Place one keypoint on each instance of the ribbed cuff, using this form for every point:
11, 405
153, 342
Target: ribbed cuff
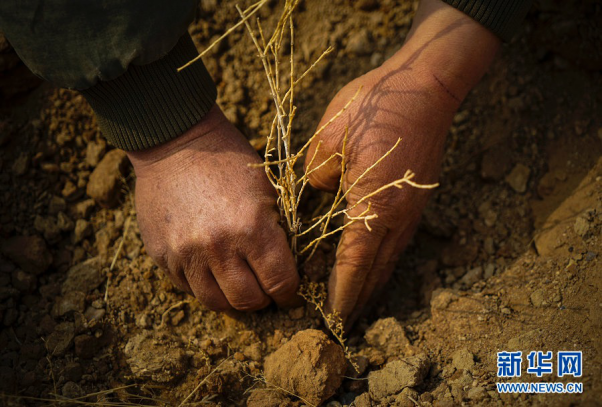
151, 104
502, 17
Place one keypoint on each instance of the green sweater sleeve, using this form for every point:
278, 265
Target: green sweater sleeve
153, 103
502, 17
122, 55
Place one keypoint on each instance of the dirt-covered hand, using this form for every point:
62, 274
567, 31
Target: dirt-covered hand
210, 221
412, 96
392, 104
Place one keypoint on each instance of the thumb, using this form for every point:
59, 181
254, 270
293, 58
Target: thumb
323, 160
323, 166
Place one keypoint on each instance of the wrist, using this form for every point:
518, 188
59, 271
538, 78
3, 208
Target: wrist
182, 147
448, 48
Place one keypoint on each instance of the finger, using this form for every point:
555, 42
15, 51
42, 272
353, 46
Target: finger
381, 269
275, 268
356, 253
203, 286
323, 165
238, 283
392, 246
402, 242
175, 272
172, 267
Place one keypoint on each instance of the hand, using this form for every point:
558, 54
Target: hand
413, 96
210, 221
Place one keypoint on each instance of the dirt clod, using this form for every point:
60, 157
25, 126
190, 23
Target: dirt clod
397, 375
538, 298
73, 301
28, 252
581, 226
144, 321
388, 335
310, 365
21, 164
88, 346
72, 390
518, 178
82, 230
496, 162
105, 180
472, 276
441, 299
296, 313
56, 205
359, 43
363, 400
73, 372
463, 359
477, 394
83, 209
94, 314
151, 358
83, 277
94, 152
61, 339
23, 281
253, 352
406, 398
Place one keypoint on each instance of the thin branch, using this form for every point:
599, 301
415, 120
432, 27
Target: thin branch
198, 386
255, 7
125, 232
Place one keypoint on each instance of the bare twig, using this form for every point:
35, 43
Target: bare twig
251, 10
262, 379
125, 232
198, 386
168, 310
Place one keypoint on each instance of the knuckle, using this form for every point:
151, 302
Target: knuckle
247, 225
358, 239
257, 228
181, 249
355, 262
215, 241
194, 270
359, 259
263, 230
322, 181
249, 304
282, 286
248, 229
379, 229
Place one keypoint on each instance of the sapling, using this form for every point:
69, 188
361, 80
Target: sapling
281, 162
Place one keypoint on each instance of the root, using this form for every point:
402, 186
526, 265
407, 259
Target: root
315, 293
